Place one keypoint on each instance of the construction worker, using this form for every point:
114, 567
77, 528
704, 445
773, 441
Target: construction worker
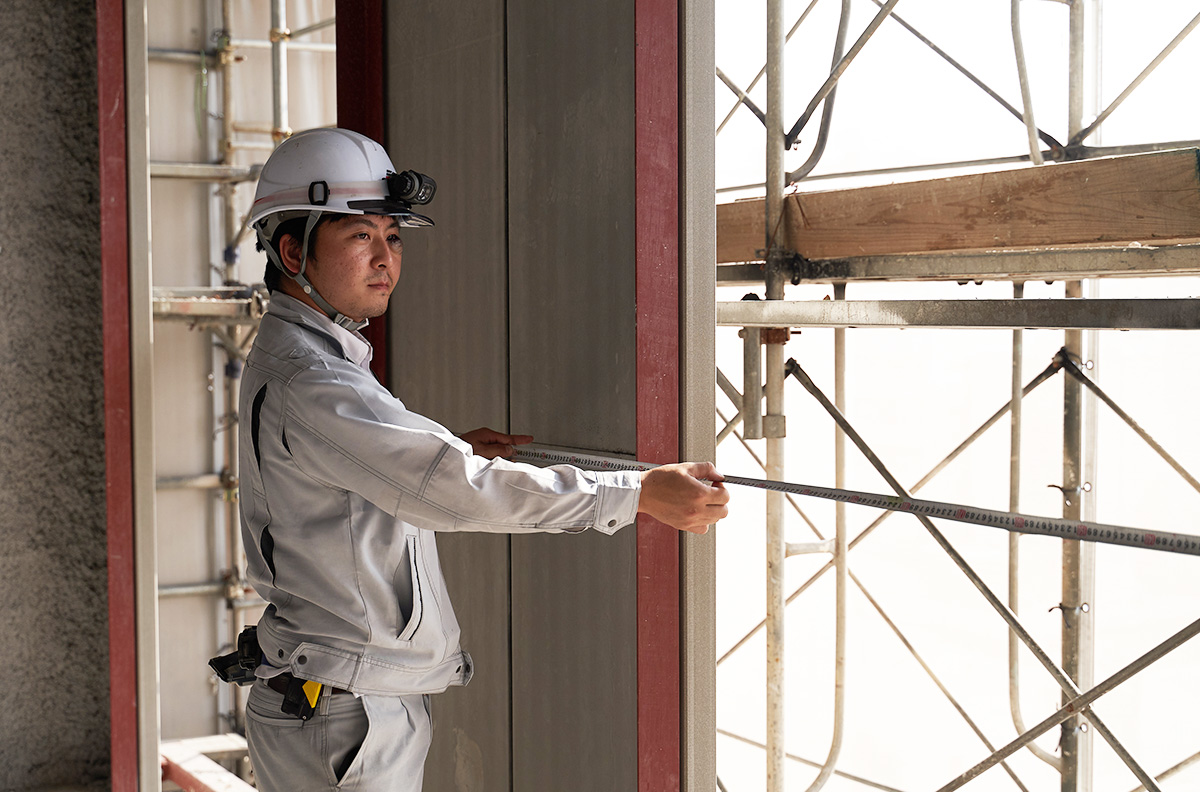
343, 488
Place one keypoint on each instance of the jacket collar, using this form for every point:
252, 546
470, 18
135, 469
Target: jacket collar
352, 346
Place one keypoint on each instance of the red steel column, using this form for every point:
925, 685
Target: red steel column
360, 107
656, 103
118, 432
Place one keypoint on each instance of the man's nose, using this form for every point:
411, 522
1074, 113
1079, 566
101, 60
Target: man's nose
382, 254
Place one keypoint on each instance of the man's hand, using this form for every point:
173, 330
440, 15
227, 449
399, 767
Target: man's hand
491, 444
682, 496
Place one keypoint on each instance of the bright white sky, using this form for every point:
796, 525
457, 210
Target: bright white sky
901, 104
915, 394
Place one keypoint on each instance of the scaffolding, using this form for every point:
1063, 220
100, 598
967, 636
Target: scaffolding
759, 403
228, 312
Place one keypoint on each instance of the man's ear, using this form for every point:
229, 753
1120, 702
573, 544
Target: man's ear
290, 252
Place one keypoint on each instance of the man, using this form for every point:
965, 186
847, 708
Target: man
342, 487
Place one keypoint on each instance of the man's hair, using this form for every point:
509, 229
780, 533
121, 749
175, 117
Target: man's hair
294, 227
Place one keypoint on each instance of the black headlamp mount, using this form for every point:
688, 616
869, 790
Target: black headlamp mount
410, 187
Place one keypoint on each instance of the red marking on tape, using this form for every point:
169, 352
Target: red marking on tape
1081, 530
854, 499
906, 506
1020, 522
1150, 540
960, 513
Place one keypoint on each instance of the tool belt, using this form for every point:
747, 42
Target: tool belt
280, 684
301, 697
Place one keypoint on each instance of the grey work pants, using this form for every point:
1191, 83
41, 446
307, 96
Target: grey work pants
351, 744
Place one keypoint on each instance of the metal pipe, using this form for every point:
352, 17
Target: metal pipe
1046, 138
827, 111
809, 548
1048, 372
302, 46
751, 407
230, 224
1084, 133
1070, 367
216, 588
1063, 680
809, 762
279, 81
787, 496
1171, 771
255, 129
253, 145
1080, 703
837, 72
1014, 564
313, 28
222, 172
1078, 153
1045, 314
1078, 573
1035, 154
841, 550
763, 71
727, 388
244, 597
202, 481
185, 56
741, 95
772, 423
729, 427
937, 681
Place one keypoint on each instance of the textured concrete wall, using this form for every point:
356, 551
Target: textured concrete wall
53, 606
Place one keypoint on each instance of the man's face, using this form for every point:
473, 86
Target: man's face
354, 263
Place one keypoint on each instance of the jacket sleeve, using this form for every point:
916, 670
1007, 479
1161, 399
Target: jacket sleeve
347, 432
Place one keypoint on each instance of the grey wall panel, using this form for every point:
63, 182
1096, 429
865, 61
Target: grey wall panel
527, 106
470, 751
54, 724
571, 254
449, 339
445, 117
571, 245
574, 624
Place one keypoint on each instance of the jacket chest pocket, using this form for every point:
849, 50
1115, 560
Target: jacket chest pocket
410, 590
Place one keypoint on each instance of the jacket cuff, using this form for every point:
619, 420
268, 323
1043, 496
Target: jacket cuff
618, 499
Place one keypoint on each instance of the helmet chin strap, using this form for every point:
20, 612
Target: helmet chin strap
336, 316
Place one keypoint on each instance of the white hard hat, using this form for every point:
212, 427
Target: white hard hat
336, 170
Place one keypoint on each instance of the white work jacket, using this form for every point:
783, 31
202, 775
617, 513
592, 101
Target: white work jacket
341, 490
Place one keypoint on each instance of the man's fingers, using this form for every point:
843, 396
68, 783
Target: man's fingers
705, 471
687, 496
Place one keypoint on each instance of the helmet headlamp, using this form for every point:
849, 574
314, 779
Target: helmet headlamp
411, 187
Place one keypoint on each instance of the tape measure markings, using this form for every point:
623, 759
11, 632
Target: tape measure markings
1021, 523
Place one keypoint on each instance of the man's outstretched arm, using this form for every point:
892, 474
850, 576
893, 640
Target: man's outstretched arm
688, 496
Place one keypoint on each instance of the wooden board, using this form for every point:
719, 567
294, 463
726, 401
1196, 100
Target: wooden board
1145, 198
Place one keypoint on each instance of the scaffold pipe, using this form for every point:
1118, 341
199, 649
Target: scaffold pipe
1014, 539
1060, 676
1080, 703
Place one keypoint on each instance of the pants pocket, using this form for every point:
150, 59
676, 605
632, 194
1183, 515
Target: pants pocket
347, 727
